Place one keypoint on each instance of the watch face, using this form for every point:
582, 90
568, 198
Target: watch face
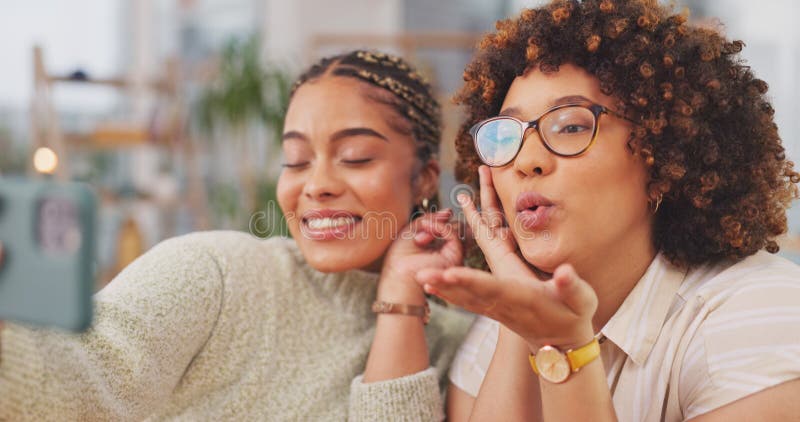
552, 364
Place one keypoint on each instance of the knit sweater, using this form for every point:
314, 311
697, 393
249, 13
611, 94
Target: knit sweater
222, 326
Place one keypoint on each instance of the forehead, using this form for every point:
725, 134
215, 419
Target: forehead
333, 102
534, 92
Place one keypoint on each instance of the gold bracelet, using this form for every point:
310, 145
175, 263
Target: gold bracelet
424, 312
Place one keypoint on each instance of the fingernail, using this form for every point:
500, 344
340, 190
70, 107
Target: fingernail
462, 198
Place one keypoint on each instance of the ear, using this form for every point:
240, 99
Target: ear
426, 182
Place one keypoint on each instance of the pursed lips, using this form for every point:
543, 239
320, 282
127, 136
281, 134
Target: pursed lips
531, 200
533, 210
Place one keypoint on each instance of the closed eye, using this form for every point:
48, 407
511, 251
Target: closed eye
356, 162
294, 165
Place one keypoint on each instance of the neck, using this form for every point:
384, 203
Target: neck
614, 273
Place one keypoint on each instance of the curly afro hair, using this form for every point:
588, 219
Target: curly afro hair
705, 129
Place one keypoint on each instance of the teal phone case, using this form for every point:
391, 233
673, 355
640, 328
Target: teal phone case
48, 234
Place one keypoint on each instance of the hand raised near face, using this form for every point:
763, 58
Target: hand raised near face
429, 241
556, 311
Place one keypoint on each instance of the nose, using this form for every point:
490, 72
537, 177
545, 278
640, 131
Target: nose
533, 158
322, 183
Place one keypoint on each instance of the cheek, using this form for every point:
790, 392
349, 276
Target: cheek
628, 177
503, 181
386, 191
387, 188
612, 191
627, 172
288, 192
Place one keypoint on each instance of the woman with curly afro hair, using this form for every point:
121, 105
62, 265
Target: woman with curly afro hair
632, 184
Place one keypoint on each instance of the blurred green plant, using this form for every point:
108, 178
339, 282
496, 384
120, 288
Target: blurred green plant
245, 89
224, 201
267, 220
245, 92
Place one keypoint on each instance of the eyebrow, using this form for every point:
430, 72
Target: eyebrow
569, 99
344, 133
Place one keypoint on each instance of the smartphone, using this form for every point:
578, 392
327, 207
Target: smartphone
48, 233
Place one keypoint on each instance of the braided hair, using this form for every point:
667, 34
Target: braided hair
398, 85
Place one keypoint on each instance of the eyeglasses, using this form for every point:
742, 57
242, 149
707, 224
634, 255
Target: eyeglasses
566, 130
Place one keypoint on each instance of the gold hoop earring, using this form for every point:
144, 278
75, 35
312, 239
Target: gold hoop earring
658, 203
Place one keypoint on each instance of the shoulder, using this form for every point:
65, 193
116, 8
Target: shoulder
204, 259
746, 338
760, 280
227, 248
226, 242
753, 302
185, 273
759, 265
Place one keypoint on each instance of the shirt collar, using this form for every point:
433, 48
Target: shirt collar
635, 326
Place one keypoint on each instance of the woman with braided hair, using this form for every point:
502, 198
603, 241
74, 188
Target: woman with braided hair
329, 325
632, 184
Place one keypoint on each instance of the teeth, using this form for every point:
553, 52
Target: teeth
326, 223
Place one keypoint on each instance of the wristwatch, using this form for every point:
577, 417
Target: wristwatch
556, 366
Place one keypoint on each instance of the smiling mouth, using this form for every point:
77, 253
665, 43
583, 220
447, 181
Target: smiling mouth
326, 223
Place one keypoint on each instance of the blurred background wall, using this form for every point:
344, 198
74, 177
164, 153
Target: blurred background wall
172, 109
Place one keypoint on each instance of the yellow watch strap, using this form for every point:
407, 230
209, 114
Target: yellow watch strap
532, 360
580, 357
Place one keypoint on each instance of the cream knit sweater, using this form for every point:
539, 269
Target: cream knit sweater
221, 326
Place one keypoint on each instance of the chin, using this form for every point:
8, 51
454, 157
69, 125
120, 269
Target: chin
328, 257
330, 267
542, 253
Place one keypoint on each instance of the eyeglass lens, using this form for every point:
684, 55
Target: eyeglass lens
566, 131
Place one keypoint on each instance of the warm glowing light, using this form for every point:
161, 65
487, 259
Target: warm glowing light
45, 160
